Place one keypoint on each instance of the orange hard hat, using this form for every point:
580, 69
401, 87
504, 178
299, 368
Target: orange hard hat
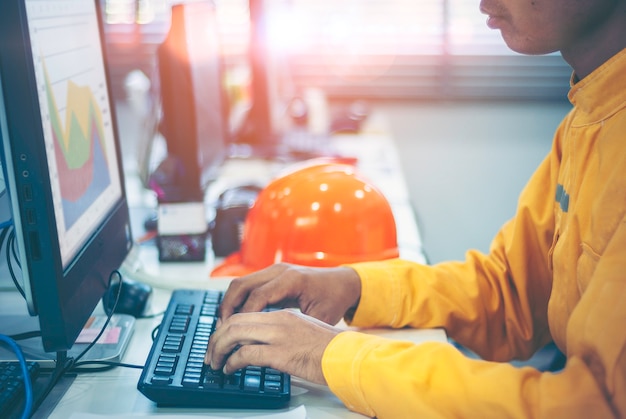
324, 214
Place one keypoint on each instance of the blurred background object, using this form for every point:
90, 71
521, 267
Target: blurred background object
471, 119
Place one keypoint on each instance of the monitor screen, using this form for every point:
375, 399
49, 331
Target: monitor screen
61, 160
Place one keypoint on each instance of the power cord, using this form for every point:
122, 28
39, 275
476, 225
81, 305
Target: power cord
107, 365
12, 251
76, 363
26, 335
155, 331
64, 364
106, 323
14, 248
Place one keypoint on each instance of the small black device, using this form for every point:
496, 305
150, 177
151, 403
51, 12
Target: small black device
182, 229
230, 214
134, 298
175, 374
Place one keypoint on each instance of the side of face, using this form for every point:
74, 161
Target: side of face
545, 26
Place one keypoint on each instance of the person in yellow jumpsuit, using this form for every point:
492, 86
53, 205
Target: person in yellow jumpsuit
556, 272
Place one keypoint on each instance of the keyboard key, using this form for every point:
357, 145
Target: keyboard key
272, 386
252, 383
213, 379
185, 309
164, 371
161, 381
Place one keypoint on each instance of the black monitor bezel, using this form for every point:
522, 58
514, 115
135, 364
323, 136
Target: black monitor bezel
63, 298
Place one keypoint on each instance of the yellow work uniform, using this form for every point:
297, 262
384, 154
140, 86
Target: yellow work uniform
556, 271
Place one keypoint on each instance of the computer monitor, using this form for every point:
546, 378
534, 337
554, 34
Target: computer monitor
277, 124
62, 161
262, 118
195, 119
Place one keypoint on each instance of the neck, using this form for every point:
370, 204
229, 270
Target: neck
599, 45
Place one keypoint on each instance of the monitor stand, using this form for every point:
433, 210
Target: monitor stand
111, 346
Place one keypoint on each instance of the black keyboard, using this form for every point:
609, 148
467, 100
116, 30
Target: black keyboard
12, 390
175, 373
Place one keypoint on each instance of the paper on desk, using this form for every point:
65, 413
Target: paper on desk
295, 413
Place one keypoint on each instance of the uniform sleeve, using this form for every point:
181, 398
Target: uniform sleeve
496, 303
392, 379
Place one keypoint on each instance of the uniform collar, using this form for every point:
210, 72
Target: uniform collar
601, 93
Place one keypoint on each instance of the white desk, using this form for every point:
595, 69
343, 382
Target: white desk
114, 393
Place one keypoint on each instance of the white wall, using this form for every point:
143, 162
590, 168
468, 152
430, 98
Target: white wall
466, 163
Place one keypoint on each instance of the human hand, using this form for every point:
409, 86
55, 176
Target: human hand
285, 340
324, 293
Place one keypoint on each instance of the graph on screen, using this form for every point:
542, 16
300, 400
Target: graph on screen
76, 118
79, 150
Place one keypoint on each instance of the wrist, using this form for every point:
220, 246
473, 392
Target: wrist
354, 289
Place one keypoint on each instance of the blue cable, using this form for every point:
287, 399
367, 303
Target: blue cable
28, 386
7, 223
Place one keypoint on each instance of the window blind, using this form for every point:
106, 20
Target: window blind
415, 49
408, 49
